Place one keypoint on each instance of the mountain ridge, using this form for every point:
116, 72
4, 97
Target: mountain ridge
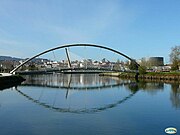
10, 58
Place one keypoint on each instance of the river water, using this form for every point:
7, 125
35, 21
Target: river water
87, 104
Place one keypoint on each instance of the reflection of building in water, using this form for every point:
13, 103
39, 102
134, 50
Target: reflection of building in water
81, 79
175, 95
65, 80
153, 88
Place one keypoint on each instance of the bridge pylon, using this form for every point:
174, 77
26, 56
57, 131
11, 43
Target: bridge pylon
68, 58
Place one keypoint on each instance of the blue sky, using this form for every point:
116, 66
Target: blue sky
138, 28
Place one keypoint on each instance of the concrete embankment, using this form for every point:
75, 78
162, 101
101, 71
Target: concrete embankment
155, 76
10, 81
160, 77
119, 74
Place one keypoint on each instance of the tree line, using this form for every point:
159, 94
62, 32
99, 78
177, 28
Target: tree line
174, 59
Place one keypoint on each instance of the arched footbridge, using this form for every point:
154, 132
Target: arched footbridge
69, 62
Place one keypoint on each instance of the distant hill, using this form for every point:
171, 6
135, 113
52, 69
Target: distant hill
9, 58
2, 58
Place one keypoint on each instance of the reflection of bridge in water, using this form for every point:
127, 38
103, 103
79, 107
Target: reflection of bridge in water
81, 110
103, 83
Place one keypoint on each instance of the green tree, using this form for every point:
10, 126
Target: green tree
142, 70
175, 57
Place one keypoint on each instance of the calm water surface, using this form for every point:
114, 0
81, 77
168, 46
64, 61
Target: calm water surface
86, 104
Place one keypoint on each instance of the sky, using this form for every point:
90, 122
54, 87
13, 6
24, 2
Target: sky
138, 28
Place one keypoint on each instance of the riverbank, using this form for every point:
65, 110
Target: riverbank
175, 76
10, 81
